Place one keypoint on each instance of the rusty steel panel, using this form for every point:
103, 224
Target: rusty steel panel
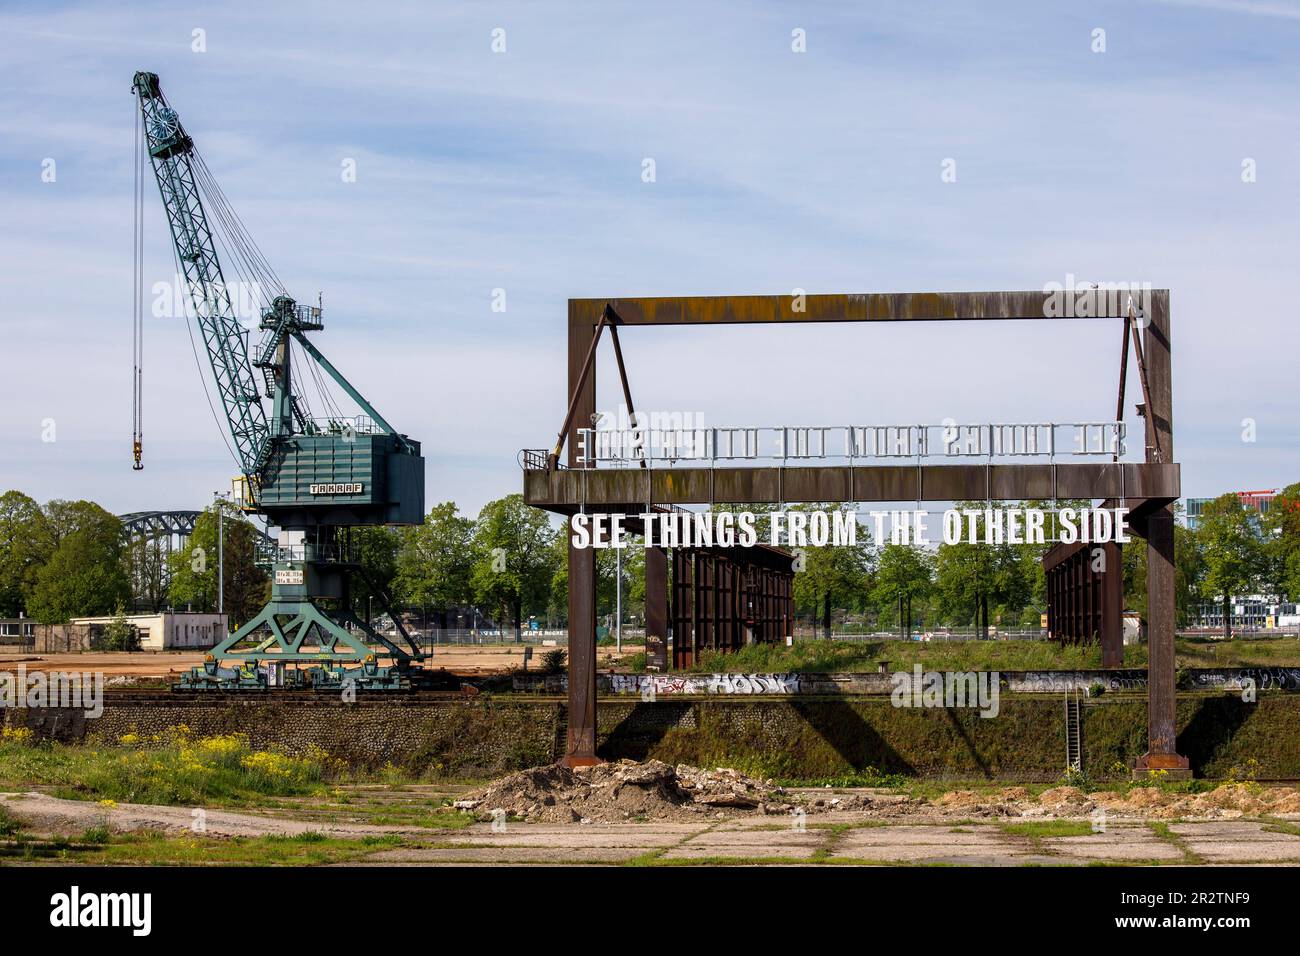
551, 486
730, 484
613, 488
816, 484
675, 485
625, 485
864, 307
1162, 752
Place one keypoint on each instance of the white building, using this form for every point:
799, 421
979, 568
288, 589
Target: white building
170, 629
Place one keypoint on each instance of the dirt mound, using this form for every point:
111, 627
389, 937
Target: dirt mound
1226, 801
627, 790
973, 803
624, 790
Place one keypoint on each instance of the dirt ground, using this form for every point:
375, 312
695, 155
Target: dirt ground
466, 660
1007, 829
625, 789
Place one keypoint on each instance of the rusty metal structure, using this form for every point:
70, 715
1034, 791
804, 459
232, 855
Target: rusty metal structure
725, 598
1147, 488
1085, 597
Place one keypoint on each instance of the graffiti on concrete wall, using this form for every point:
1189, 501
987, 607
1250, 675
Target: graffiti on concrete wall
1022, 682
668, 684
1059, 682
1265, 678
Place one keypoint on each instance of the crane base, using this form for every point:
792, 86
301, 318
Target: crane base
275, 676
295, 643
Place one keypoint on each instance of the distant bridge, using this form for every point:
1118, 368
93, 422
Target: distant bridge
154, 536
155, 524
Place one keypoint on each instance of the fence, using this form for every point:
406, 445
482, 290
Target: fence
893, 634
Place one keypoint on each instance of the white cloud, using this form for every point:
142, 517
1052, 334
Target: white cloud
775, 170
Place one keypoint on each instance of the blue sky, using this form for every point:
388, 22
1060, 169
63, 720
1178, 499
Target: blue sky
774, 170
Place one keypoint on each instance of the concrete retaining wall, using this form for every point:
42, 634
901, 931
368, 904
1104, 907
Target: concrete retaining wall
797, 684
805, 737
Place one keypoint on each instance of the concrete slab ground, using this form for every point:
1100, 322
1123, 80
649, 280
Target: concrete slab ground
1227, 842
844, 838
863, 842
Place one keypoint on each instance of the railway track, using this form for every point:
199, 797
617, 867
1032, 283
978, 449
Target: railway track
123, 695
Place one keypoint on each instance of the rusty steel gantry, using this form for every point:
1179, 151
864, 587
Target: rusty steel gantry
1085, 601
724, 598
1147, 488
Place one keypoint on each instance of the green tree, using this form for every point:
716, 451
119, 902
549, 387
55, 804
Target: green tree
435, 562
121, 634
26, 543
1189, 573
85, 574
147, 563
902, 571
194, 569
375, 549
972, 577
607, 561
1235, 559
1283, 543
634, 581
514, 558
832, 576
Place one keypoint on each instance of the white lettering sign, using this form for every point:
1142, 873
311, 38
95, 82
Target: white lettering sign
339, 488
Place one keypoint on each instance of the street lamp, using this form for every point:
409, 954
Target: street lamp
220, 497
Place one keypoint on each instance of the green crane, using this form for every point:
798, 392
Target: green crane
313, 478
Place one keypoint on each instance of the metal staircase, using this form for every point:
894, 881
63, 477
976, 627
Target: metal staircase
1073, 732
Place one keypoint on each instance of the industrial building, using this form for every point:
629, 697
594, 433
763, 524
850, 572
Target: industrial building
168, 630
1258, 501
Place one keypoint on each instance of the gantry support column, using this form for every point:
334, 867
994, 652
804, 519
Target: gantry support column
656, 609
581, 742
1112, 606
1161, 691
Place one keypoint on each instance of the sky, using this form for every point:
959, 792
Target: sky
522, 170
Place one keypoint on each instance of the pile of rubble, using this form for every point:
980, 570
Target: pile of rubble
627, 790
612, 792
1225, 802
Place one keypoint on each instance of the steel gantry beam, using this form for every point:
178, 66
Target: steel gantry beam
1139, 484
1149, 488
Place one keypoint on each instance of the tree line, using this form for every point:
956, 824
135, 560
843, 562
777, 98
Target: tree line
72, 558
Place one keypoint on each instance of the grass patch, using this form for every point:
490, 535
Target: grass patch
1274, 825
1042, 829
814, 656
9, 827
172, 768
868, 777
1162, 830
1239, 652
864, 656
